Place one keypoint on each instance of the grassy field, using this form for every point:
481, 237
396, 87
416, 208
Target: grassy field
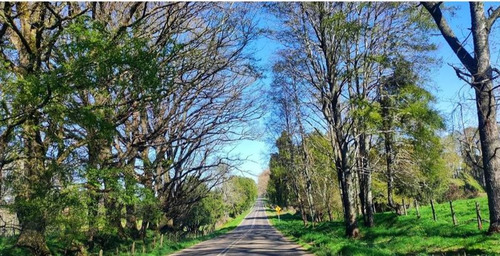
400, 235
7, 243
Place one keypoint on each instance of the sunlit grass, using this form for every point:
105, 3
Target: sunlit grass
399, 235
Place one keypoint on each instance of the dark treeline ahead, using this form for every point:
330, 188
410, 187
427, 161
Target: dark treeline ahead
356, 130
114, 118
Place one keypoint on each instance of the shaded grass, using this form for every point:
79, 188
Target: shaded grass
399, 235
7, 244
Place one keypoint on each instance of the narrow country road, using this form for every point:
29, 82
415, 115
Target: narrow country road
254, 236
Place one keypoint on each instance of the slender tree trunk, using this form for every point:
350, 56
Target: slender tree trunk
365, 180
387, 123
327, 198
389, 167
302, 208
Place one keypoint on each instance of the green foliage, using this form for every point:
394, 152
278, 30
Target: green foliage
281, 173
407, 114
240, 194
206, 212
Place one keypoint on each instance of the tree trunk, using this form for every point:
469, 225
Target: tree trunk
348, 203
490, 142
365, 180
387, 126
33, 238
305, 155
348, 194
486, 112
31, 215
479, 68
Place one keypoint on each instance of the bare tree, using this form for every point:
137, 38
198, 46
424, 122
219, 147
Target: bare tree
480, 75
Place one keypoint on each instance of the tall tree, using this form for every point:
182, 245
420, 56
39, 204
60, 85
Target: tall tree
480, 75
337, 51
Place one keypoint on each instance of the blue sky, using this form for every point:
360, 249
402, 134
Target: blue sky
444, 84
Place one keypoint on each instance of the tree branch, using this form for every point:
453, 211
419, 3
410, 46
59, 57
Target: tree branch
467, 60
492, 18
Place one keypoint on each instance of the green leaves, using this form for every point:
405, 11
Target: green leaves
407, 114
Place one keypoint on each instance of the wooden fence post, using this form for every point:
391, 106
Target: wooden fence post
117, 251
404, 207
478, 213
100, 252
416, 208
161, 241
133, 248
453, 214
433, 210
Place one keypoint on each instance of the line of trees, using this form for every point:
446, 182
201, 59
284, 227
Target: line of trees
120, 112
349, 91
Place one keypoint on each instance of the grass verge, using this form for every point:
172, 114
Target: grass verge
7, 243
399, 235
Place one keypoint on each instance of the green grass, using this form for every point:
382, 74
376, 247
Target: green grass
399, 235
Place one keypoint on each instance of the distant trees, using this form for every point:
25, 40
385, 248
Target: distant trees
262, 182
236, 195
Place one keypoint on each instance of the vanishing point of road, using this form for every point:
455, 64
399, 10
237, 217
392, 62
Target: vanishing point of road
254, 236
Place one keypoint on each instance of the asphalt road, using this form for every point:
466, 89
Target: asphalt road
254, 236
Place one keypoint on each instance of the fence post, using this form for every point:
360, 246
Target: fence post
478, 213
154, 242
453, 214
133, 248
404, 207
143, 248
161, 241
100, 252
433, 210
416, 208
117, 251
